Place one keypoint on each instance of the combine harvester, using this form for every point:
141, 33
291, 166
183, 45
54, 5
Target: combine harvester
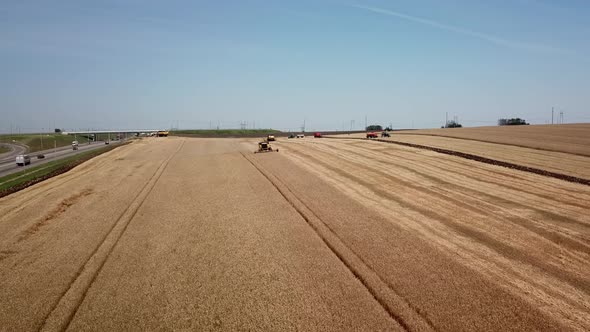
264, 146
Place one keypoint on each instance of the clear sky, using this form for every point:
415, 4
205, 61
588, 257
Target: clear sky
194, 64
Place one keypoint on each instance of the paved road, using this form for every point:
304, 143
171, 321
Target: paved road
16, 149
8, 165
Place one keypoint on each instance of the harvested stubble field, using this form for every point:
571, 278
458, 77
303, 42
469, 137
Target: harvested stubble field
202, 234
571, 138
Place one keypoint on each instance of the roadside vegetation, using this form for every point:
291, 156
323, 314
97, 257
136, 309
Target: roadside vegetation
4, 149
40, 142
32, 175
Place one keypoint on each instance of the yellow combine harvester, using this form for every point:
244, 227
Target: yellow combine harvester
265, 147
163, 133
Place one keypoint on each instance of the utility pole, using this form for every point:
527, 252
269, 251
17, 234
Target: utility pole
446, 118
551, 115
366, 122
561, 117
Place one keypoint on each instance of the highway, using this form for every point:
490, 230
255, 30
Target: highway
11, 155
8, 162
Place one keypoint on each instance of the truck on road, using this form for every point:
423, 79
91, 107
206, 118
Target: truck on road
23, 160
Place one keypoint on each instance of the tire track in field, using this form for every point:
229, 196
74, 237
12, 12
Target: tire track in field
64, 310
396, 306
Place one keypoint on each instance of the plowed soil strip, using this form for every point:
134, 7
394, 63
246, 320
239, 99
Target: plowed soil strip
63, 312
398, 309
481, 159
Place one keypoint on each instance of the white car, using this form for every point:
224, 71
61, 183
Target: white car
300, 136
23, 160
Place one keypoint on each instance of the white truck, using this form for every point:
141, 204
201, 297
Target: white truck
23, 160
75, 145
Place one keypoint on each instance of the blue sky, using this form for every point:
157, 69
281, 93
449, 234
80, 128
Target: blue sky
196, 64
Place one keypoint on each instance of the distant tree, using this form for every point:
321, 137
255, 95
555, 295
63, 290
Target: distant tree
452, 124
57, 130
374, 128
388, 129
512, 122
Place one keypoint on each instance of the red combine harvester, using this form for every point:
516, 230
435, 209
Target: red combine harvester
372, 135
317, 135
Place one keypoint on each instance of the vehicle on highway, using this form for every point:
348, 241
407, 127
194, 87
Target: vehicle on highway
107, 142
75, 145
23, 160
40, 156
317, 135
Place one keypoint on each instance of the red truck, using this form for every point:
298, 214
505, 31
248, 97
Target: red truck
317, 135
372, 135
